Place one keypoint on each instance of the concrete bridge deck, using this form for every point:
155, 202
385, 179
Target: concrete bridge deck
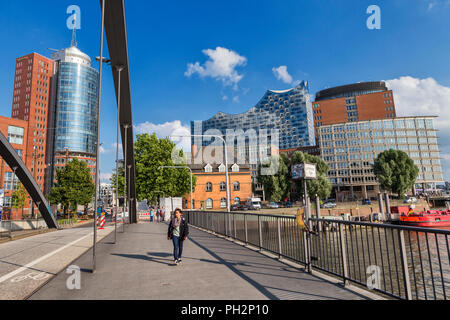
140, 267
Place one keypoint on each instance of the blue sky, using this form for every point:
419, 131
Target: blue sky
323, 41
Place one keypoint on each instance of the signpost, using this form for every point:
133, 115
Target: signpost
306, 171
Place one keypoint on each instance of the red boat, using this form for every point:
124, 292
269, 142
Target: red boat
428, 219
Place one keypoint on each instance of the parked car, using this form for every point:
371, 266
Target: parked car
288, 204
366, 202
328, 205
234, 207
274, 205
243, 207
410, 200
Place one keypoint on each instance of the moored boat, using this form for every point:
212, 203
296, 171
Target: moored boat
427, 219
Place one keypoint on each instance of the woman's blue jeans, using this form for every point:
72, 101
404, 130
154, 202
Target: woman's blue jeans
177, 247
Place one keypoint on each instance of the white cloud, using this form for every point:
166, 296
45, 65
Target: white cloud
103, 150
174, 128
236, 99
225, 98
221, 66
282, 74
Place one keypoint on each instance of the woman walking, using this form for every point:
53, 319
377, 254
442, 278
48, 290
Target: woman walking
178, 232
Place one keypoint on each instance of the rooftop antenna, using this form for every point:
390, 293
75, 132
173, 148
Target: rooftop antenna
74, 32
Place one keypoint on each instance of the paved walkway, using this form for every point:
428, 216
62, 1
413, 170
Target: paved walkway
140, 266
26, 264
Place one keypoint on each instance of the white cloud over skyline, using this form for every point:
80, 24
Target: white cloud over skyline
426, 97
282, 74
167, 129
221, 66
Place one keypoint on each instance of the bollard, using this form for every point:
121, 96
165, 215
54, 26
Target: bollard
319, 225
387, 207
380, 203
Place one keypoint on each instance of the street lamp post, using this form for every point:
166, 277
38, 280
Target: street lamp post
180, 167
98, 134
226, 160
119, 69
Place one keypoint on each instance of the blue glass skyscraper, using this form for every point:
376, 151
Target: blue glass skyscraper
76, 108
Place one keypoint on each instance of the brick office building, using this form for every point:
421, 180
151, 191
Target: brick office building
210, 190
354, 102
16, 132
31, 101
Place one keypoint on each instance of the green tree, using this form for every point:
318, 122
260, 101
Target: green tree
150, 154
396, 171
74, 186
19, 197
278, 186
322, 186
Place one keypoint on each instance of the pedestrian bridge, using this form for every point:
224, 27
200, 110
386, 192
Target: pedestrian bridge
139, 266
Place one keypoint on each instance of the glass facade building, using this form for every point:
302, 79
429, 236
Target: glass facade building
76, 108
350, 150
75, 112
289, 111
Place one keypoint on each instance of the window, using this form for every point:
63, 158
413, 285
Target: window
208, 187
222, 168
237, 201
223, 203
15, 135
208, 168
236, 186
223, 186
209, 203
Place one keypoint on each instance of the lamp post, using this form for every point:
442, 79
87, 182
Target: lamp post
119, 69
180, 167
98, 134
226, 160
125, 189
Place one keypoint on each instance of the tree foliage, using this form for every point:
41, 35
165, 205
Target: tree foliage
19, 197
74, 185
278, 186
152, 181
396, 171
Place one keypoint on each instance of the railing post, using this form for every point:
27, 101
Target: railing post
344, 254
279, 237
234, 225
225, 223
260, 232
404, 259
246, 229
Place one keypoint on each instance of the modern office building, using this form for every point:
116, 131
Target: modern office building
31, 103
16, 131
75, 111
351, 148
353, 102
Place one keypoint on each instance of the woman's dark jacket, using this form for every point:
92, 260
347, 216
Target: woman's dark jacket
184, 229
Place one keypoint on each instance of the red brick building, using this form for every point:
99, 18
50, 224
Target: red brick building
210, 190
354, 102
16, 131
31, 103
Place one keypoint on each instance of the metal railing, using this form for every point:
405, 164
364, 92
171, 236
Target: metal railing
398, 261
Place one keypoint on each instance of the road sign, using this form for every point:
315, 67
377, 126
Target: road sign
304, 171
